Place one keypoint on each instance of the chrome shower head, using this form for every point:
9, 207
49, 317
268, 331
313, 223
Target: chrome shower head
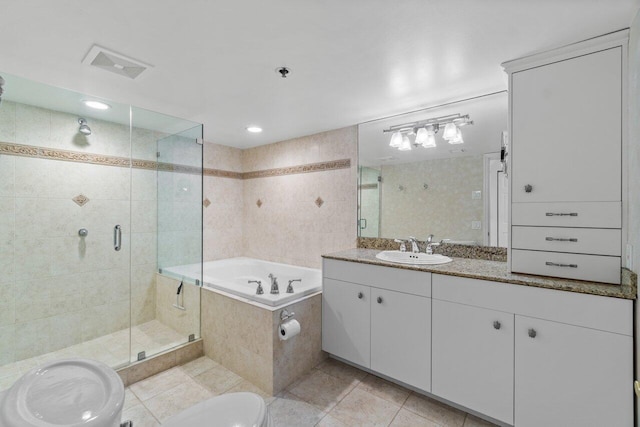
84, 127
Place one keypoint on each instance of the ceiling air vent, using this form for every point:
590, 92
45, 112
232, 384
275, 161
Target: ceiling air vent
114, 62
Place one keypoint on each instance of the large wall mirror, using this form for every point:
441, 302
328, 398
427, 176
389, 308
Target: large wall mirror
414, 182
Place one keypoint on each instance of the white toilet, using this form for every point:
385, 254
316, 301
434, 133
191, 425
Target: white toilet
69, 392
87, 393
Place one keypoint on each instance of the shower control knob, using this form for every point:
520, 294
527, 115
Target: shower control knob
379, 300
528, 188
496, 325
532, 333
360, 295
83, 232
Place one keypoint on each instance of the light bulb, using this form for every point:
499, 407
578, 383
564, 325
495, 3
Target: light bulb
457, 139
396, 140
450, 131
430, 142
421, 136
406, 144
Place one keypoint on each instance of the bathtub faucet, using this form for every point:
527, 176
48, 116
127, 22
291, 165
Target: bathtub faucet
259, 291
274, 284
290, 288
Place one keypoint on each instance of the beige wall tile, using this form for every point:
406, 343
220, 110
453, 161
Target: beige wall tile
7, 121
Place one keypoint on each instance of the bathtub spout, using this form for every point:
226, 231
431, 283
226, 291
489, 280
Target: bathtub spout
274, 284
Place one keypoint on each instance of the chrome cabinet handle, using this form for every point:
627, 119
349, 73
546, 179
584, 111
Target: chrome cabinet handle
555, 264
562, 214
379, 300
528, 188
532, 333
558, 239
360, 295
117, 238
497, 325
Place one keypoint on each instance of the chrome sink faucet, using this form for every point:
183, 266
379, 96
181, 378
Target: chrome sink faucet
430, 244
403, 246
274, 284
414, 244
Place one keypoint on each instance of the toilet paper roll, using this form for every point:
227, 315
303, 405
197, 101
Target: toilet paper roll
289, 329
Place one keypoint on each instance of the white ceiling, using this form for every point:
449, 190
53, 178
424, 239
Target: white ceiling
351, 60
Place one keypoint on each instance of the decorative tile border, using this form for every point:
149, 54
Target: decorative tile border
488, 253
292, 170
105, 160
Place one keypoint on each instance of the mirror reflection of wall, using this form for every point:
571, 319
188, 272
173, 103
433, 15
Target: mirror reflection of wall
456, 192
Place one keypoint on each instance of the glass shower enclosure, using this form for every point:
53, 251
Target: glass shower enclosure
92, 204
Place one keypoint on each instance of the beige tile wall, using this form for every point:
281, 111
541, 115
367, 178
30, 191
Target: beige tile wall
244, 338
58, 289
289, 227
222, 219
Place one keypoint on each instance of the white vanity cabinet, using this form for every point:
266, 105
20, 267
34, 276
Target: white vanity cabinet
559, 358
568, 375
567, 116
472, 358
346, 321
388, 329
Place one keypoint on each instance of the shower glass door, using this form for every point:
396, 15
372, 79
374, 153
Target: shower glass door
92, 204
167, 233
65, 222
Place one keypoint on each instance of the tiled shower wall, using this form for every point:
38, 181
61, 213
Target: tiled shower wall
293, 200
58, 289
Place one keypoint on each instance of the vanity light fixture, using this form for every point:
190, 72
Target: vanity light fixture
97, 105
424, 132
406, 143
396, 140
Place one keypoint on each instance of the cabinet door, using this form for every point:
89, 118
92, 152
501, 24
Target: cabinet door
567, 130
571, 376
472, 358
401, 337
346, 321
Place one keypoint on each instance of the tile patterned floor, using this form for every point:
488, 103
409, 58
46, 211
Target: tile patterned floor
331, 395
113, 349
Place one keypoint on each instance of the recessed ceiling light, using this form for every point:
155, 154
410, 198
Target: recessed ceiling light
254, 129
97, 105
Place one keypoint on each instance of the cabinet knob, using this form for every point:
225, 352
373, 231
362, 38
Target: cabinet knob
379, 300
532, 333
360, 295
528, 188
496, 325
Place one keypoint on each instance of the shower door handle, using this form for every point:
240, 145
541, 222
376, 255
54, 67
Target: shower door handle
117, 238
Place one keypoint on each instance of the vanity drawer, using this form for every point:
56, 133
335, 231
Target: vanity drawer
395, 279
570, 214
596, 241
594, 268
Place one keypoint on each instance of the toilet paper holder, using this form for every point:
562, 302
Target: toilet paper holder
285, 315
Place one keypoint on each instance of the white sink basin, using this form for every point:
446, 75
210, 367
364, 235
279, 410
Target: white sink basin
412, 258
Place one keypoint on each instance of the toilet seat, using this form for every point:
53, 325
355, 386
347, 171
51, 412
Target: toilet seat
234, 409
69, 392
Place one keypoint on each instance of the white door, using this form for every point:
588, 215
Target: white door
571, 376
472, 358
401, 337
346, 321
566, 130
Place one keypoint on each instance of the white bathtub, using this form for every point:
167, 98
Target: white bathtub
232, 275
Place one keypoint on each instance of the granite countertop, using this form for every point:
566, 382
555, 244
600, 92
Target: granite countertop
497, 271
